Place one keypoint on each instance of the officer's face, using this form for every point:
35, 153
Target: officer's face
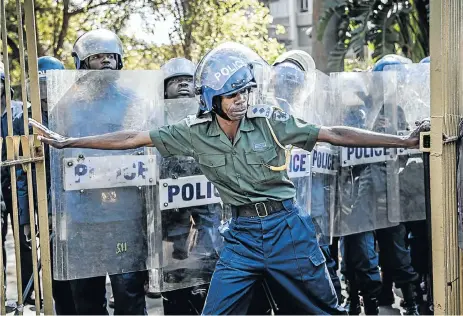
235, 105
180, 87
288, 81
102, 61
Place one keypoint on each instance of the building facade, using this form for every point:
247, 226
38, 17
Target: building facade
296, 17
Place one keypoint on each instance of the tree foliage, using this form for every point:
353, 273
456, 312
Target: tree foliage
59, 23
389, 26
197, 26
200, 25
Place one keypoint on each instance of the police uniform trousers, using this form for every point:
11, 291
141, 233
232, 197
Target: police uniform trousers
187, 301
418, 244
360, 263
281, 247
128, 290
24, 245
395, 255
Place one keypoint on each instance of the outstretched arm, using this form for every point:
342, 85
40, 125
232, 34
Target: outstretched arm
355, 137
118, 140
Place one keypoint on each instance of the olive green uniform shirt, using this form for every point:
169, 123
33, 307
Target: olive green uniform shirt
237, 169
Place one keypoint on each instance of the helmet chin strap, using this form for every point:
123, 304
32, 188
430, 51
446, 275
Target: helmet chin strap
217, 109
222, 114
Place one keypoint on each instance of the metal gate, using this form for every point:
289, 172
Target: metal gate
446, 31
26, 152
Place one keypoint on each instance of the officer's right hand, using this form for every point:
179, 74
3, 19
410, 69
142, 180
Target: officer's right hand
47, 136
414, 137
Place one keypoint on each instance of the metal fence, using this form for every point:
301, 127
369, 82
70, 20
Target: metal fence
26, 152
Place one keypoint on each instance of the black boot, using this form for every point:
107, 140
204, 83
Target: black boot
409, 299
370, 304
353, 301
386, 296
353, 305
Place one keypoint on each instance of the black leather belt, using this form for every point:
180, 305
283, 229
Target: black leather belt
260, 209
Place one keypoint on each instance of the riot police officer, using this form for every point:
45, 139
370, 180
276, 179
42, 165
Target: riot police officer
187, 290
102, 50
284, 67
359, 257
395, 257
241, 149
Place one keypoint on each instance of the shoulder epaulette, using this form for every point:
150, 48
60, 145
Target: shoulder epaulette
193, 120
280, 115
261, 110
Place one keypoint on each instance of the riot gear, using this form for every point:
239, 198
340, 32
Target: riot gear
302, 59
225, 70
95, 42
178, 78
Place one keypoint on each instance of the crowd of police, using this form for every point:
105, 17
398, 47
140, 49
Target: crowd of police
371, 260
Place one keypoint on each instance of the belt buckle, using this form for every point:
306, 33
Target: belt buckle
257, 209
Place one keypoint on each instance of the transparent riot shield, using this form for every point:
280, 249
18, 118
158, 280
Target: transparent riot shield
305, 95
363, 200
289, 89
189, 214
101, 200
324, 160
413, 104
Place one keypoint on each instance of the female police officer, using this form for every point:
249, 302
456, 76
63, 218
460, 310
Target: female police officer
241, 149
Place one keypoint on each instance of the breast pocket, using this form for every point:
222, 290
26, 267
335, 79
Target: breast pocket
258, 162
213, 166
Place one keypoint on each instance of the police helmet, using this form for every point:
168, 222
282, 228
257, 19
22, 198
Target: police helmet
390, 60
288, 80
94, 42
44, 64
227, 69
293, 72
426, 60
301, 58
178, 67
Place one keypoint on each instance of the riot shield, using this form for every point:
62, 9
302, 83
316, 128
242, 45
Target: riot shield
305, 95
290, 89
324, 161
189, 214
413, 100
361, 100
101, 200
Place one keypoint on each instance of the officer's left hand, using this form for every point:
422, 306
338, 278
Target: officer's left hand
413, 140
47, 136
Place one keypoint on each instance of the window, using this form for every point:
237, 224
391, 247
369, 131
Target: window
304, 5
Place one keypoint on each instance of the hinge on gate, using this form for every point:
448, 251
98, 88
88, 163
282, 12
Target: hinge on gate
425, 142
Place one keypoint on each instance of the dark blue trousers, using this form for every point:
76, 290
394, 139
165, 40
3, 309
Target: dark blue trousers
282, 248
